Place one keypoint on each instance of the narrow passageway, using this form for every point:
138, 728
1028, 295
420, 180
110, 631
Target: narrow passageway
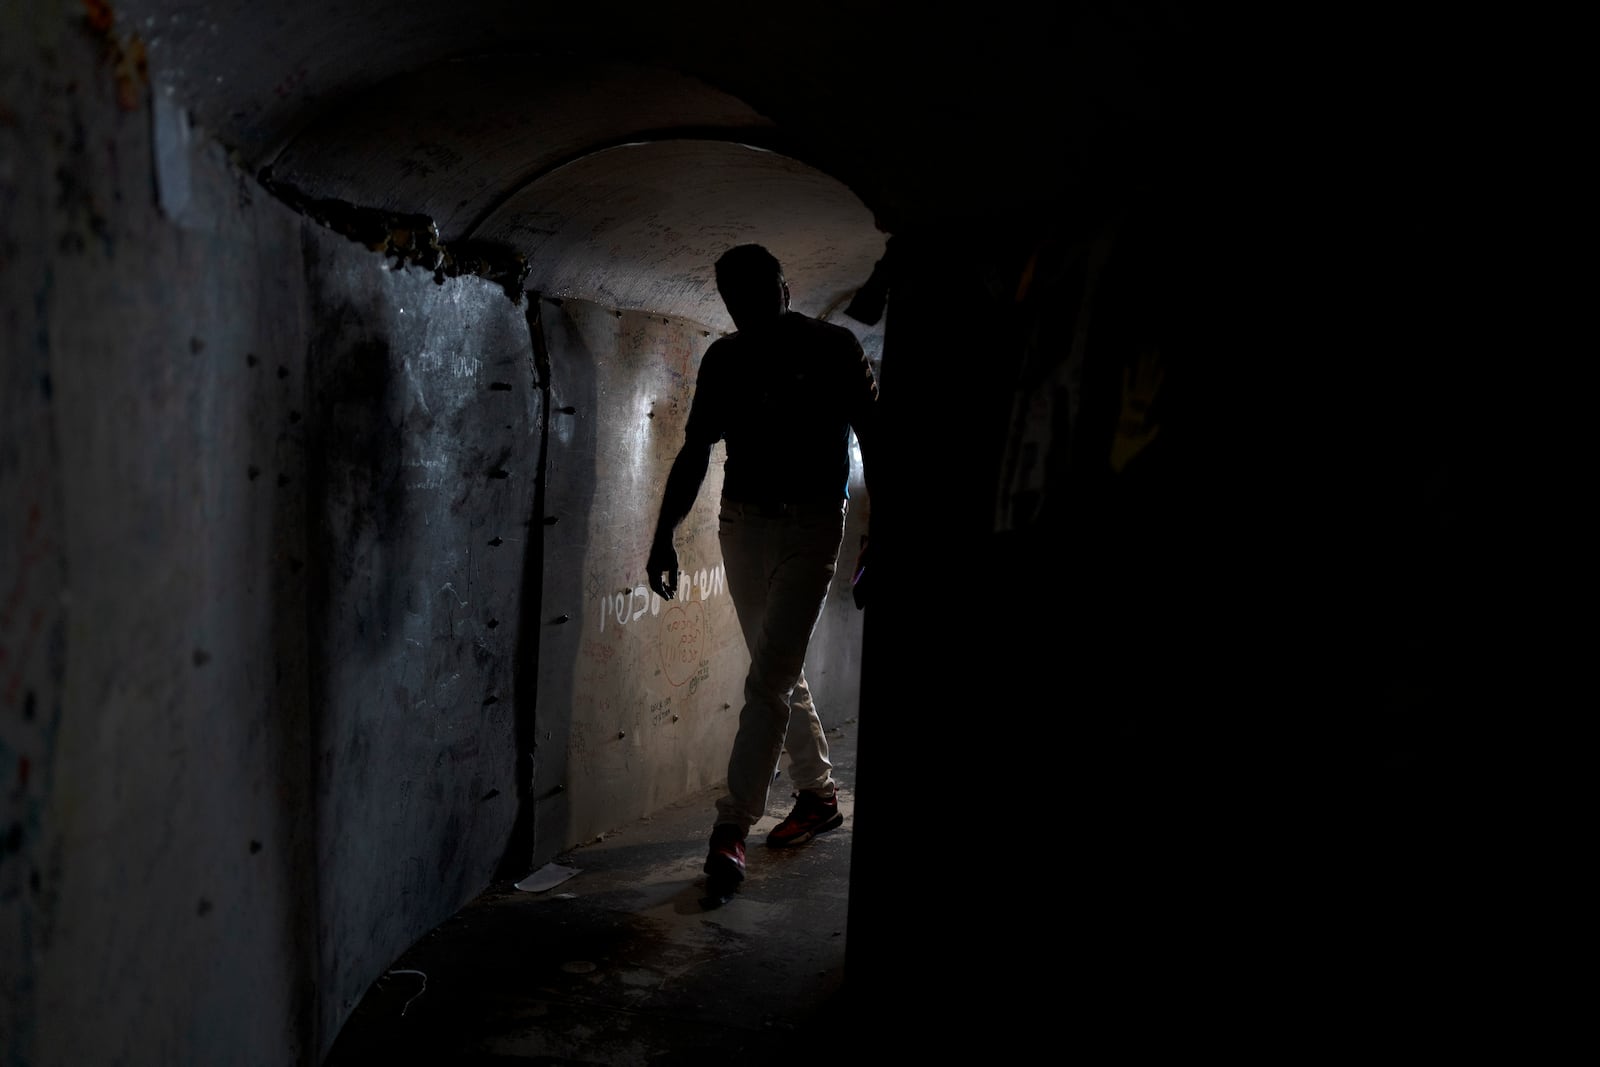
347, 348
620, 964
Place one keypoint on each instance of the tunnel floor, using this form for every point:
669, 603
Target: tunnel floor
621, 964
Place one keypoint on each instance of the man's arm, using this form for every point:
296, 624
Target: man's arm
683, 485
703, 430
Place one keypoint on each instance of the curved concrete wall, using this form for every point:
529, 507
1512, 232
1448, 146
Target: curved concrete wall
423, 445
155, 354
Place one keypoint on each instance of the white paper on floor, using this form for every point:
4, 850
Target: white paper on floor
551, 874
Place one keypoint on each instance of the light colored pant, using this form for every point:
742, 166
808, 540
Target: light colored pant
779, 569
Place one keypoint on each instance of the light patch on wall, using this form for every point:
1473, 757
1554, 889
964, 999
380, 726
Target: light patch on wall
171, 136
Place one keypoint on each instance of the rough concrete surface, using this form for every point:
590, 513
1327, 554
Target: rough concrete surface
620, 964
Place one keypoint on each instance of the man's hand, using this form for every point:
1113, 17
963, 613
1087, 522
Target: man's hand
663, 568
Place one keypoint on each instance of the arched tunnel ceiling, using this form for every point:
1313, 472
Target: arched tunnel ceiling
534, 154
482, 114
453, 141
639, 226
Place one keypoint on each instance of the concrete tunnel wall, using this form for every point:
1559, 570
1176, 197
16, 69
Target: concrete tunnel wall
270, 654
157, 731
422, 455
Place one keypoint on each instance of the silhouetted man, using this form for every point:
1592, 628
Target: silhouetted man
784, 392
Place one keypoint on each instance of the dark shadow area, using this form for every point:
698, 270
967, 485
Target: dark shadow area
291, 744
552, 584
518, 856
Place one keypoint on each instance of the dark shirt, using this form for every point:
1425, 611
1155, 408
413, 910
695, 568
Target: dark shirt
785, 399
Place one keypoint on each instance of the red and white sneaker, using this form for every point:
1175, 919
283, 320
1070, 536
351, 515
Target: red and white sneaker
812, 815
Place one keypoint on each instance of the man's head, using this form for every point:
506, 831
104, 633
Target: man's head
750, 280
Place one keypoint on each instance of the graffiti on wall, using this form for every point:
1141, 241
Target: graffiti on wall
630, 605
682, 641
677, 643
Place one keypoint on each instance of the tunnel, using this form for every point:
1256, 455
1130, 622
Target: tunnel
346, 350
